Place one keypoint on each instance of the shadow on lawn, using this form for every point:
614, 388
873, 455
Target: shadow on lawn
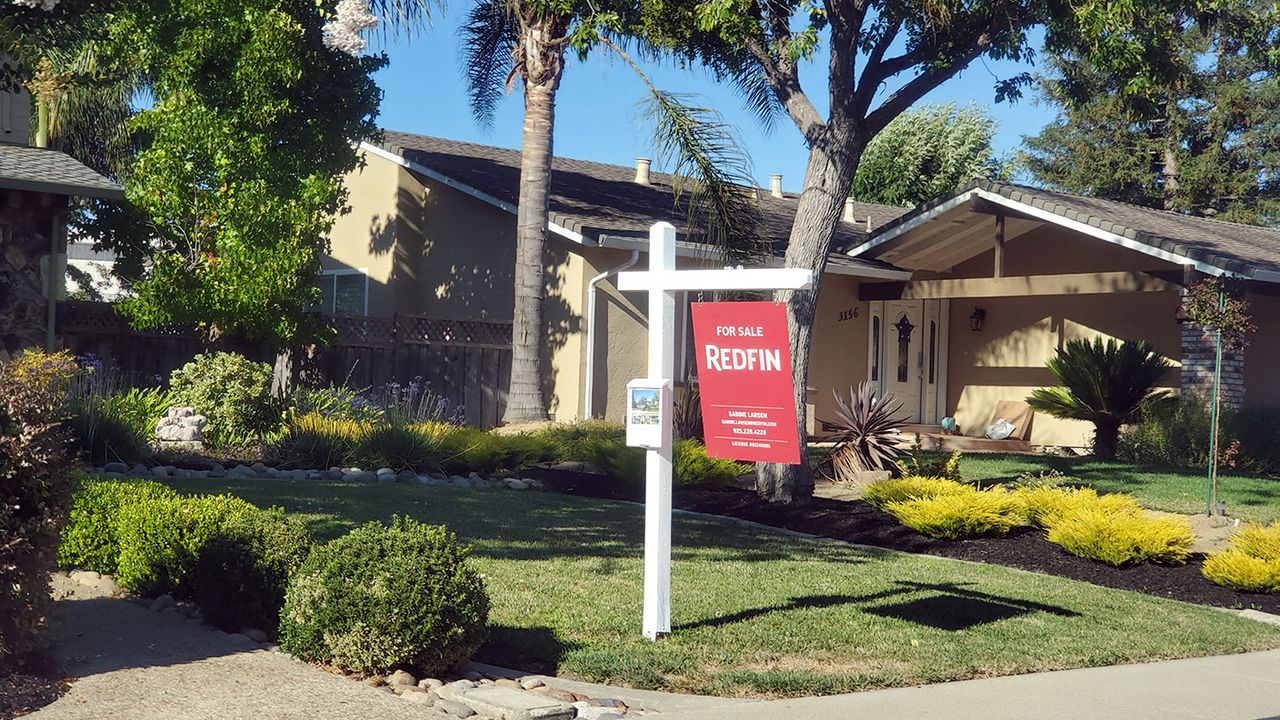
945, 606
535, 650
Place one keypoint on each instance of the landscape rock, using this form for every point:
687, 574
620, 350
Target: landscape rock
420, 698
115, 467
530, 683
160, 471
430, 684
459, 481
259, 468
562, 695
454, 708
364, 477
331, 475
517, 484
107, 585
505, 703
406, 476
588, 711
140, 469
183, 425
451, 691
162, 603
401, 678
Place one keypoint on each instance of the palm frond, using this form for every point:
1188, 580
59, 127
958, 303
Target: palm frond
1099, 379
404, 17
711, 170
488, 39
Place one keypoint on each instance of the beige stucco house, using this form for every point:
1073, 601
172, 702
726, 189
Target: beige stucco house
951, 307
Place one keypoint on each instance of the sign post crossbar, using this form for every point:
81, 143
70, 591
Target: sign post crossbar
662, 281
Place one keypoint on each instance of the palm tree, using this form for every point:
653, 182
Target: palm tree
507, 39
1105, 384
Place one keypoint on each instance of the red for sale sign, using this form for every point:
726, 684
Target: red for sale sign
744, 378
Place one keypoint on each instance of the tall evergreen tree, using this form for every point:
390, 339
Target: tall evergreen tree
1204, 141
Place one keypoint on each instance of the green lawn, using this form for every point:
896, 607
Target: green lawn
1178, 491
759, 613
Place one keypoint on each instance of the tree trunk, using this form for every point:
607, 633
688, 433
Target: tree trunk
541, 66
1106, 435
828, 177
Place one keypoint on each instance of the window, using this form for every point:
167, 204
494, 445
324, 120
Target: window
344, 292
875, 348
933, 348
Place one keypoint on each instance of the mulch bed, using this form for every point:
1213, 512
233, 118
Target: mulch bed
21, 694
1025, 548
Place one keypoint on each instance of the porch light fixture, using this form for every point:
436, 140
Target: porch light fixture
977, 318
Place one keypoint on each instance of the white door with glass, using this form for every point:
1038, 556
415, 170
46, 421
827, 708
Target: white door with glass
907, 355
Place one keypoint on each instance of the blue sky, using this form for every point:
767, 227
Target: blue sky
596, 112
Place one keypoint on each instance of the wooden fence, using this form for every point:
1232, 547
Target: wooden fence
467, 362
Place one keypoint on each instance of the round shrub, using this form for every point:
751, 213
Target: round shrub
1123, 538
955, 516
231, 391
90, 539
161, 538
892, 490
381, 598
242, 573
692, 466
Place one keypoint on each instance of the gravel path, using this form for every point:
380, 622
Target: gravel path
129, 662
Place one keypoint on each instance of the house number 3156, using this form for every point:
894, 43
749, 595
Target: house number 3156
849, 314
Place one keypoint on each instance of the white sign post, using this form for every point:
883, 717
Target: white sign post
663, 281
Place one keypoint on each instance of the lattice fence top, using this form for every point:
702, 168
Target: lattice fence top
80, 317
88, 317
419, 330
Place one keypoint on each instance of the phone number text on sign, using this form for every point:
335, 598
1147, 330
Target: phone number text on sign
744, 380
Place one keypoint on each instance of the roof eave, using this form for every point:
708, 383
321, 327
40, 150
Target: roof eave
69, 189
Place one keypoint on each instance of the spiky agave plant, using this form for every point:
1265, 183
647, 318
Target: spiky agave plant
866, 432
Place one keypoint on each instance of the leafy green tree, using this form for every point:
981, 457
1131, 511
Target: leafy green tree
927, 152
238, 175
880, 58
1105, 384
1204, 141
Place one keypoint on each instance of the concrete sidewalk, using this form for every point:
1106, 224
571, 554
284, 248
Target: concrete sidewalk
1229, 687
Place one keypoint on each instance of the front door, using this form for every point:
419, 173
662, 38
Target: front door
907, 355
904, 354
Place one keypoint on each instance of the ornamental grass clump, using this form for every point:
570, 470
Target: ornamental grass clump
892, 490
1122, 538
1252, 563
959, 515
384, 598
1045, 505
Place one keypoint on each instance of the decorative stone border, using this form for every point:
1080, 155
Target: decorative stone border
260, 471
475, 695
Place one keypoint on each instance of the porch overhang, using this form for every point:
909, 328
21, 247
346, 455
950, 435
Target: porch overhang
1018, 286
939, 236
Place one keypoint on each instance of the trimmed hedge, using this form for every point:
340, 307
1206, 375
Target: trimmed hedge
162, 537
382, 598
241, 575
90, 540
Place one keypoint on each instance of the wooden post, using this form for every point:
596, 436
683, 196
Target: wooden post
999, 249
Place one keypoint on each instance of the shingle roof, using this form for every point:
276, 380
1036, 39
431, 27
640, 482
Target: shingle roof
1246, 250
41, 170
600, 199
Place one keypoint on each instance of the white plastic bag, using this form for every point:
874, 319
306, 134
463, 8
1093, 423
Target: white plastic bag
1000, 429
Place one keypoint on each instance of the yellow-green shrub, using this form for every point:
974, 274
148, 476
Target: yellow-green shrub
1044, 506
1121, 538
1252, 562
1237, 569
883, 492
957, 515
1260, 541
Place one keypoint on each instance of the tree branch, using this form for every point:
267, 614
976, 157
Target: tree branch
785, 81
